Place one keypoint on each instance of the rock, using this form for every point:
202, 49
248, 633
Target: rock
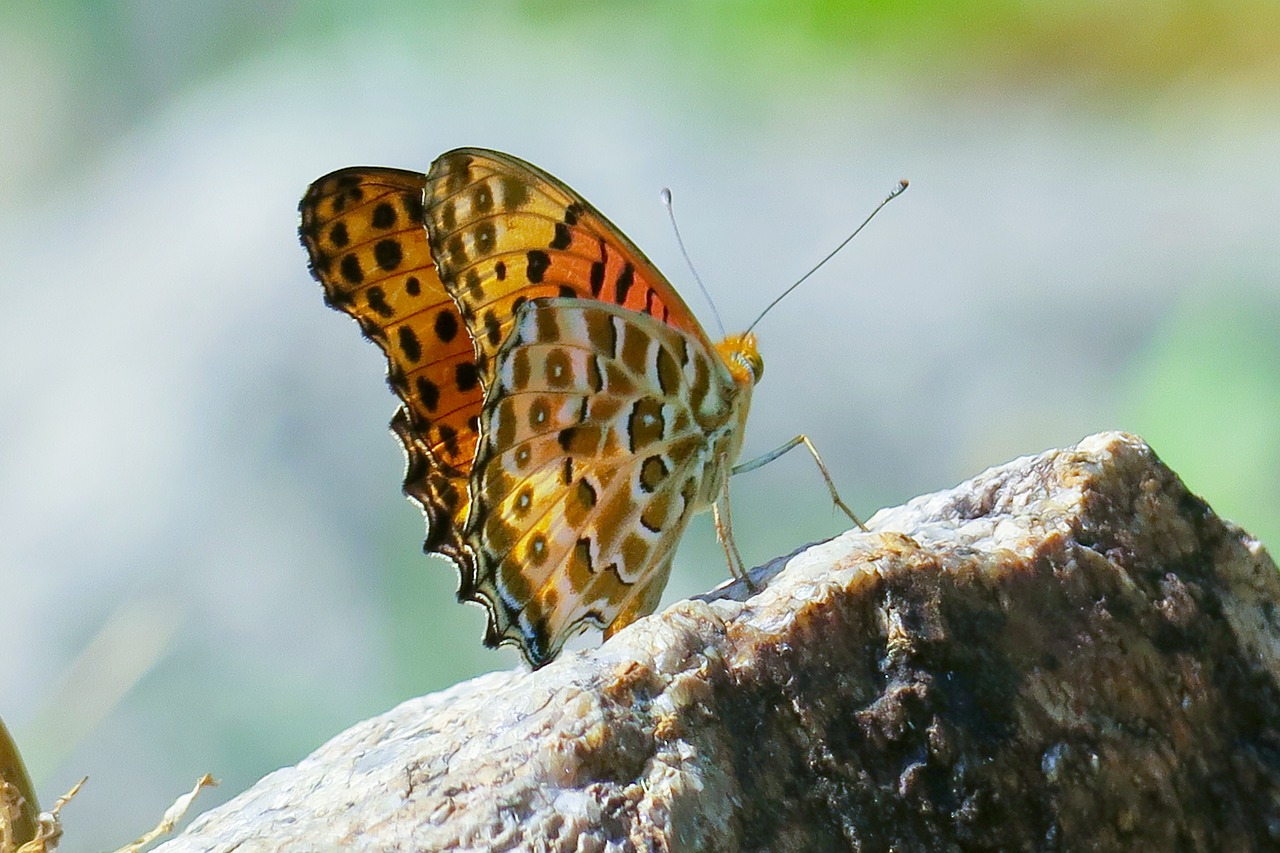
1068, 652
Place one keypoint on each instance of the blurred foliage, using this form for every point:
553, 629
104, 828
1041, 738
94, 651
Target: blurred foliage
1097, 43
129, 53
1206, 395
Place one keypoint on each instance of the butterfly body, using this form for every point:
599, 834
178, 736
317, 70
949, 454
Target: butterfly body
564, 413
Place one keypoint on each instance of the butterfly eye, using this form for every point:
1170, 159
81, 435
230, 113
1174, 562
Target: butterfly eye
752, 362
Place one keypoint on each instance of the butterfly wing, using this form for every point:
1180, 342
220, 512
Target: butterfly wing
363, 229
600, 437
607, 413
503, 232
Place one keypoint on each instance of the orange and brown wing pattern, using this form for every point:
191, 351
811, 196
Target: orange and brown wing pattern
598, 442
363, 228
564, 412
504, 232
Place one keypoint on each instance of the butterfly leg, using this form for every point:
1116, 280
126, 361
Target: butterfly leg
761, 461
724, 532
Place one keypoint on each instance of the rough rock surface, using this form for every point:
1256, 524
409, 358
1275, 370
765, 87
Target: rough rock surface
1069, 652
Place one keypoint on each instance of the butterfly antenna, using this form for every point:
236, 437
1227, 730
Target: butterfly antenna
671, 214
897, 191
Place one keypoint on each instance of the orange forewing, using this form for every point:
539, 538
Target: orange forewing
363, 229
503, 232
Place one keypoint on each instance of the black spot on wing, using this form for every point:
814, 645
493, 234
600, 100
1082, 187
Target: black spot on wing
446, 326
409, 343
492, 328
562, 239
428, 392
350, 268
625, 279
414, 207
388, 254
539, 261
377, 299
466, 376
449, 438
384, 216
597, 278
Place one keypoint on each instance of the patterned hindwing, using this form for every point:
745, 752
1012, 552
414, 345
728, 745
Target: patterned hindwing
601, 435
504, 232
363, 228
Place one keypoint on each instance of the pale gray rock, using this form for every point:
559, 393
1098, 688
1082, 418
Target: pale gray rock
1068, 652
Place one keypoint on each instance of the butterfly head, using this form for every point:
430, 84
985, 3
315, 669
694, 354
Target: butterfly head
743, 358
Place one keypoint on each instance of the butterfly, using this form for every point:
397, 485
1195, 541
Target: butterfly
563, 412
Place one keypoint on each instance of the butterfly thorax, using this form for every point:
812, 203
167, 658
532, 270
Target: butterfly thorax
742, 358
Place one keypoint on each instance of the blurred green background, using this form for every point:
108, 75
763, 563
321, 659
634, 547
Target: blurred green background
205, 559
